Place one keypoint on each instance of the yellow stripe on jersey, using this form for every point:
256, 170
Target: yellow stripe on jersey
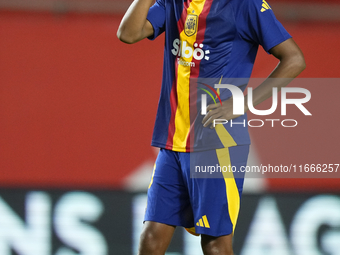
226, 139
233, 195
218, 89
153, 173
182, 117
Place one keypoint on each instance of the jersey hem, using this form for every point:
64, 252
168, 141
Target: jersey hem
179, 149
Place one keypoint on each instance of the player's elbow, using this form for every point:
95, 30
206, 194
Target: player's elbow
126, 36
297, 63
300, 62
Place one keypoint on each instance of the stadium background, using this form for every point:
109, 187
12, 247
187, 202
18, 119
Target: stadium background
77, 109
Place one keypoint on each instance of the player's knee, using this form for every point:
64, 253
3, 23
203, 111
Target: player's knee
216, 246
217, 249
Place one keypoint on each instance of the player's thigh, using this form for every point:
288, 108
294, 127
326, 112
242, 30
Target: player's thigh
168, 198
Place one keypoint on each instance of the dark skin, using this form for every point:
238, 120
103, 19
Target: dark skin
156, 238
134, 27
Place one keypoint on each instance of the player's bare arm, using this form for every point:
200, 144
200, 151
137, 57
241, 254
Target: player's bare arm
134, 25
291, 64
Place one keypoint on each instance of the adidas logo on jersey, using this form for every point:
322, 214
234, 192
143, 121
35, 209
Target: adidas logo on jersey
203, 222
265, 6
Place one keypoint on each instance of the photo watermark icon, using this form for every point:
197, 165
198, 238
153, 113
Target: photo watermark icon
238, 103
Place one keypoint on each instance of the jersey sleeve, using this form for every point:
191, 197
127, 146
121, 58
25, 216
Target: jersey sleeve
260, 25
156, 16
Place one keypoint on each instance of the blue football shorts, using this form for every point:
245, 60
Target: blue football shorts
206, 204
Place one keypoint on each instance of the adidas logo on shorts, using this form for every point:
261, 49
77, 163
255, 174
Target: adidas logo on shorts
203, 222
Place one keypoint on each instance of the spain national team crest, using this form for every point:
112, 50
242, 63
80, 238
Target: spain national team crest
190, 27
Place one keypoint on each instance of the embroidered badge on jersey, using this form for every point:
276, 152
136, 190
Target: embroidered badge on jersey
190, 27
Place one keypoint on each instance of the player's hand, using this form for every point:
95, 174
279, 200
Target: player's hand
218, 111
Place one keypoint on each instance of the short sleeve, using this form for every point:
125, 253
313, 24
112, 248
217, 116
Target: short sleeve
156, 16
260, 25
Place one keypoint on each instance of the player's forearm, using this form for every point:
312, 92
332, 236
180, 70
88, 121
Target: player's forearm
289, 67
133, 25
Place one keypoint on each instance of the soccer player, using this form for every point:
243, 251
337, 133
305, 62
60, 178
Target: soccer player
204, 39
